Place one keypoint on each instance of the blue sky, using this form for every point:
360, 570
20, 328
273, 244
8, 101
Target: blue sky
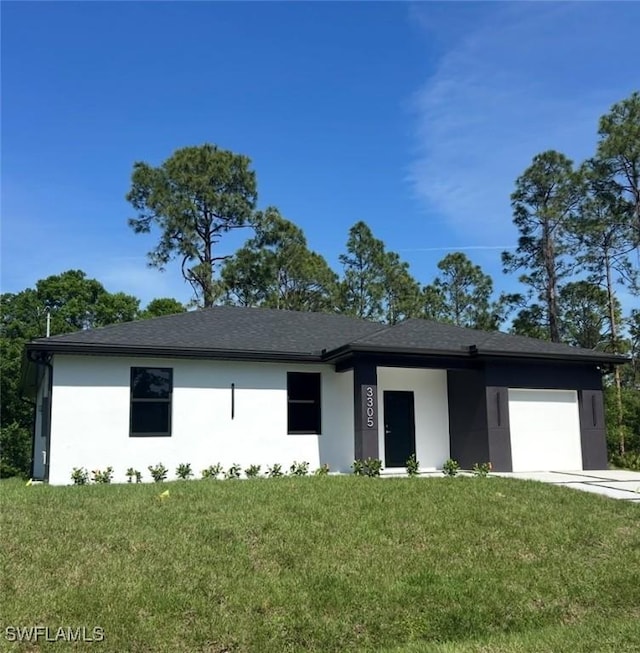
416, 118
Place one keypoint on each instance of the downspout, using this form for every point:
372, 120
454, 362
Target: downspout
43, 359
34, 410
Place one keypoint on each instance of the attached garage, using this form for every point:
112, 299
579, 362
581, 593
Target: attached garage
545, 430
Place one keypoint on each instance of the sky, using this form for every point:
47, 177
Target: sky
414, 117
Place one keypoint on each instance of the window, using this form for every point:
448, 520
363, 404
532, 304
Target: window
303, 393
151, 389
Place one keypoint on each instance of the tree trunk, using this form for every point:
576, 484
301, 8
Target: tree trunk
613, 328
552, 282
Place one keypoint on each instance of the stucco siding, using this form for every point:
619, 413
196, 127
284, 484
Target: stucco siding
91, 409
431, 411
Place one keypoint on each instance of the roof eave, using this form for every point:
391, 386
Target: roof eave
171, 352
593, 358
347, 350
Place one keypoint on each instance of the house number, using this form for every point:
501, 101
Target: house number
369, 407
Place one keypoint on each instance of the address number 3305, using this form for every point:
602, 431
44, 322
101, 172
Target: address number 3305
370, 406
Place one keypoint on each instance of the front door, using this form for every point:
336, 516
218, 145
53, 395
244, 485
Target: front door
399, 428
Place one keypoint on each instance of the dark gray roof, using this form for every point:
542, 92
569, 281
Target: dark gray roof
431, 336
226, 328
266, 334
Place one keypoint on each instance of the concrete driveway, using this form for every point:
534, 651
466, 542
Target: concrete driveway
614, 483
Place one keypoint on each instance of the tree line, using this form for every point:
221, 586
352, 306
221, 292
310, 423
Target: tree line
578, 248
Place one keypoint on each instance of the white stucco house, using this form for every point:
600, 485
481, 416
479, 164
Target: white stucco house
259, 386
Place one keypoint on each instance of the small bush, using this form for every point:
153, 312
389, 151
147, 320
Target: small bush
275, 471
413, 466
212, 472
628, 460
369, 467
450, 467
80, 476
158, 472
323, 470
299, 469
102, 476
133, 473
481, 469
233, 472
252, 471
183, 471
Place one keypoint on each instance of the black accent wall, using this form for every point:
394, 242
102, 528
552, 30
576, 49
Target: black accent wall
365, 375
498, 430
479, 429
468, 435
592, 429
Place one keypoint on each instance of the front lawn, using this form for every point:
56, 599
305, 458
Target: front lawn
323, 564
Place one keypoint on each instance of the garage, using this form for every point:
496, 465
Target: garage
545, 430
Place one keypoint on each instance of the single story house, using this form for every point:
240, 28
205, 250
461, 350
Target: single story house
259, 386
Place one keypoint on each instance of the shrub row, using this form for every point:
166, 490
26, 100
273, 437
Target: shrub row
367, 467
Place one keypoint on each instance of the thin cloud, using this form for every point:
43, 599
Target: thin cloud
515, 80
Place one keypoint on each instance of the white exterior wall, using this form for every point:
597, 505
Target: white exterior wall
431, 406
91, 406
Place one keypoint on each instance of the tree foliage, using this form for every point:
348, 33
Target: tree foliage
619, 150
276, 269
162, 306
376, 285
546, 198
73, 302
461, 294
193, 198
362, 286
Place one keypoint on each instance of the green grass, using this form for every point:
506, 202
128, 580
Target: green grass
324, 564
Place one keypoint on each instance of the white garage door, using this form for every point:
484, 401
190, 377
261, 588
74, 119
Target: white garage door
545, 430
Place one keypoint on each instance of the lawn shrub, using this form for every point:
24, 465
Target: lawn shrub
450, 467
252, 471
275, 471
481, 469
100, 476
212, 472
299, 469
158, 472
184, 472
233, 471
80, 476
413, 465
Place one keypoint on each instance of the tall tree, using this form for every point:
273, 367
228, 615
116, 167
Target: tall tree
461, 294
634, 338
401, 294
73, 302
619, 149
584, 316
194, 198
362, 286
276, 269
602, 231
546, 197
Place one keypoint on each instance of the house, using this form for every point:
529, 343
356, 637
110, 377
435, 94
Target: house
260, 386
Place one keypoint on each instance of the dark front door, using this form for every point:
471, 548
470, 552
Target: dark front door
399, 428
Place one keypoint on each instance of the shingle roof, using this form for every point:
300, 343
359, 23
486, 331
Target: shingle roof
433, 336
267, 333
227, 328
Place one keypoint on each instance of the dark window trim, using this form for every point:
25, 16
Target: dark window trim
168, 400
318, 401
